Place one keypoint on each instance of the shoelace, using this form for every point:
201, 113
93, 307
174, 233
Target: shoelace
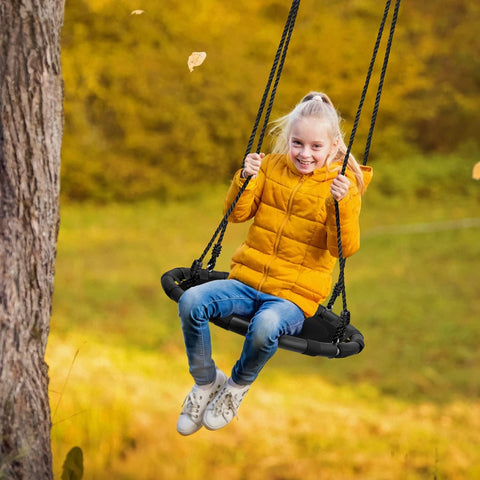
230, 401
191, 405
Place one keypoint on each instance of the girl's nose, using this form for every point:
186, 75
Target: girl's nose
305, 152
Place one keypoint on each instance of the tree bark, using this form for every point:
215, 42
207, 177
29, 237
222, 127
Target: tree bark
31, 116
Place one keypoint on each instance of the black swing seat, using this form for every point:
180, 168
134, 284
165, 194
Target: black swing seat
315, 339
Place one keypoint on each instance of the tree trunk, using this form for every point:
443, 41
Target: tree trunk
31, 116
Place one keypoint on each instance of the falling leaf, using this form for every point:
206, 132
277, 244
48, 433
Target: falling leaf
196, 59
137, 12
476, 171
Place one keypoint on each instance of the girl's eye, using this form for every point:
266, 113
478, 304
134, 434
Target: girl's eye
317, 146
296, 143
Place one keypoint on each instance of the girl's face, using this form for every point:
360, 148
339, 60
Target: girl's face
310, 144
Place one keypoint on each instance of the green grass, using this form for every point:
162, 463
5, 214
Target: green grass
406, 407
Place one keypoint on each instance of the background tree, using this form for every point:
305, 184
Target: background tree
139, 125
30, 139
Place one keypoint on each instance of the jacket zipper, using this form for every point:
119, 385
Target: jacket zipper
280, 231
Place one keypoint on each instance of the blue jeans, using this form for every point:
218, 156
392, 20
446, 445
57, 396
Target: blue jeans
271, 317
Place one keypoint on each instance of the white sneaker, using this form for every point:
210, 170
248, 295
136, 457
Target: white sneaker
224, 407
195, 403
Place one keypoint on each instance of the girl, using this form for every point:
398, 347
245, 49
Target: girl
283, 270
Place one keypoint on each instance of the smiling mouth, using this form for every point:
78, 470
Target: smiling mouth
302, 162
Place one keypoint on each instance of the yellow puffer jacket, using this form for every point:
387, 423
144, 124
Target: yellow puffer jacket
291, 247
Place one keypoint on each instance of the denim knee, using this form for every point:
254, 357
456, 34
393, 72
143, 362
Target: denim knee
266, 331
192, 307
188, 301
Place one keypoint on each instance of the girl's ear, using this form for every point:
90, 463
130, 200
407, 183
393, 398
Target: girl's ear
335, 145
336, 142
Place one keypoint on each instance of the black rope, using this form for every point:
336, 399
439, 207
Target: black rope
277, 67
366, 85
289, 26
381, 82
274, 77
340, 286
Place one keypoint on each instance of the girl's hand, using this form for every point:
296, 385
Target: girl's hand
252, 164
339, 187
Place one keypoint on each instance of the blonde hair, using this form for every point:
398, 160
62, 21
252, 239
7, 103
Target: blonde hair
317, 105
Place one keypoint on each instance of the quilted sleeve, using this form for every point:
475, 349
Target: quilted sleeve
247, 205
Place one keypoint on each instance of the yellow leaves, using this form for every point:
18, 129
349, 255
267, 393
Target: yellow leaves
113, 65
196, 59
476, 171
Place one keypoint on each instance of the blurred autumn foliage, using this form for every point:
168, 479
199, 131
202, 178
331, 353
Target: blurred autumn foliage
139, 124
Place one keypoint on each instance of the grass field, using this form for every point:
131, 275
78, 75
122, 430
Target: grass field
407, 407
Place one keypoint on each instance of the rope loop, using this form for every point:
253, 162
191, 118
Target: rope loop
217, 249
340, 332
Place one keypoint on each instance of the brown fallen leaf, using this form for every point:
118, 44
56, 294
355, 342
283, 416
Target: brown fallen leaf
476, 171
196, 59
